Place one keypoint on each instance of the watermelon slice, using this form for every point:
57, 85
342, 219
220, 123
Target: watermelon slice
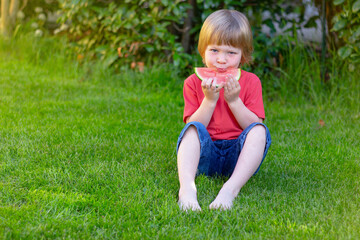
220, 76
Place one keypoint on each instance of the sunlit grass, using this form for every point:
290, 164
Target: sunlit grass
91, 154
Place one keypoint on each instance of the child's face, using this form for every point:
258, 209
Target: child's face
222, 57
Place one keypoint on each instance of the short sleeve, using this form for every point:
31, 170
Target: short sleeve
191, 96
253, 99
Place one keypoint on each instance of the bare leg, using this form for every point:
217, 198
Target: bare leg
249, 160
188, 161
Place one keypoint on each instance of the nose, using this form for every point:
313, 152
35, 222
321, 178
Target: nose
221, 58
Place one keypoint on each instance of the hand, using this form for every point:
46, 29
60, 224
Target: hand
211, 91
231, 89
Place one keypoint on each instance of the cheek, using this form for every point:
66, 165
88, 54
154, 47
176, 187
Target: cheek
237, 59
233, 59
209, 57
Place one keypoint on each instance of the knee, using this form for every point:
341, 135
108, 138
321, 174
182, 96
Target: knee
193, 129
191, 132
257, 135
190, 138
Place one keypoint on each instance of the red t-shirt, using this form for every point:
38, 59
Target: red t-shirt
223, 124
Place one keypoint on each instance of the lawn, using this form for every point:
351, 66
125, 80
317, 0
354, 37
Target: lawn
91, 155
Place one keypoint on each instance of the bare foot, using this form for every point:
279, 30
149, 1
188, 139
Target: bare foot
188, 201
223, 201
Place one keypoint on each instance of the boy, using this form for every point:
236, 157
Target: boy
224, 134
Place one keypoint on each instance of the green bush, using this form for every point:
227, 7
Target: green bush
347, 26
133, 31
147, 32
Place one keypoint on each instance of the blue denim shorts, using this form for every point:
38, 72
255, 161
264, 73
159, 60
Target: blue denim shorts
220, 157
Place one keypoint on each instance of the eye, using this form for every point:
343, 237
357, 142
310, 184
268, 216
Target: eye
232, 52
213, 50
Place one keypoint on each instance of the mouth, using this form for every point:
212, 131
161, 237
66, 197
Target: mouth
221, 70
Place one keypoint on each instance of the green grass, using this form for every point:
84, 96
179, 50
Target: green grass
90, 154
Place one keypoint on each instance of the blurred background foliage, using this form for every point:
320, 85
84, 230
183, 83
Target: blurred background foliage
138, 33
346, 23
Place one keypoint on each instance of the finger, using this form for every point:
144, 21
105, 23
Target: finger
206, 83
233, 82
236, 85
211, 83
225, 85
215, 85
221, 85
229, 85
230, 78
203, 83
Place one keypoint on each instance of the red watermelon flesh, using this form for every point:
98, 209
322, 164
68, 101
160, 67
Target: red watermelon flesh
220, 76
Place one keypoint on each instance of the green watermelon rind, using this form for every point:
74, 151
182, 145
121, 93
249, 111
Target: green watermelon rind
198, 74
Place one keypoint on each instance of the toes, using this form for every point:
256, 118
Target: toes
220, 206
189, 206
213, 206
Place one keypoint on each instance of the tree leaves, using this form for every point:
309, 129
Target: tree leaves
345, 52
356, 6
139, 30
347, 26
339, 25
338, 2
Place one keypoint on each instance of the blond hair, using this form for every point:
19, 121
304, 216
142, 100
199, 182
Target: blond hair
227, 27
